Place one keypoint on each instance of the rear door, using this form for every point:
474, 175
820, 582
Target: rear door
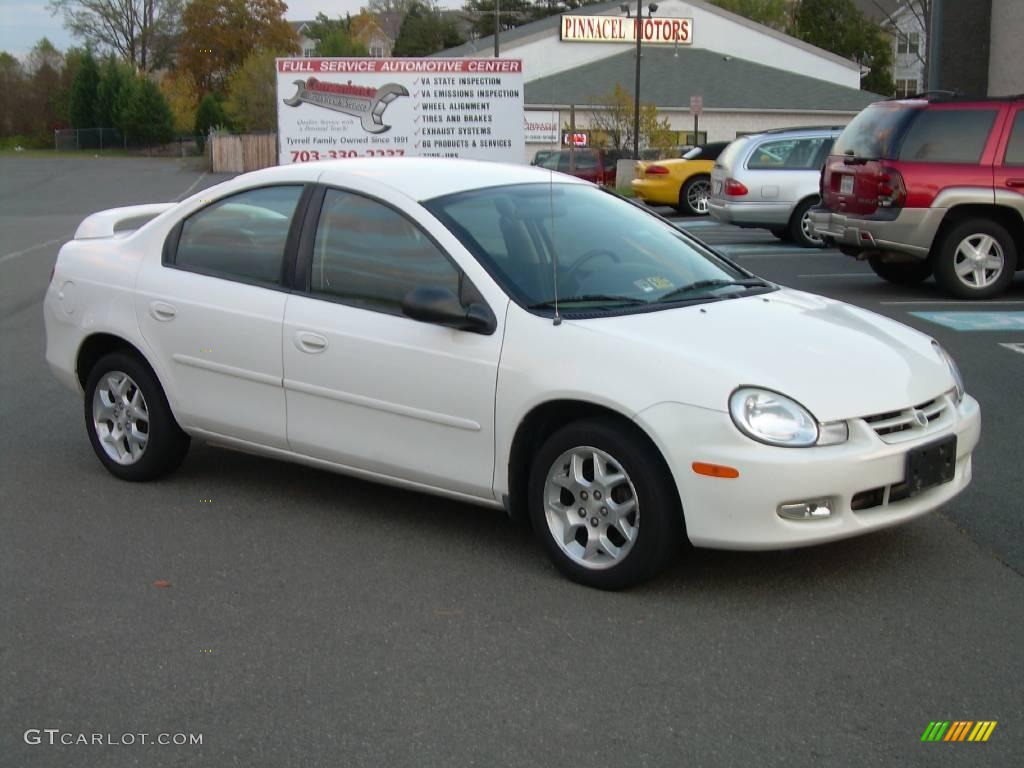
786, 169
1009, 170
212, 311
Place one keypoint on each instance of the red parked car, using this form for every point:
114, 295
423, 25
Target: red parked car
930, 185
596, 165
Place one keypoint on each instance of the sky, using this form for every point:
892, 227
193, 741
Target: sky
23, 23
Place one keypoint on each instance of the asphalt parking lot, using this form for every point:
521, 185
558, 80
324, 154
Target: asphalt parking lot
312, 619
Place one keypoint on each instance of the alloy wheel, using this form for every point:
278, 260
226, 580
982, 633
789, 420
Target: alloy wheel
121, 417
978, 260
591, 508
807, 227
697, 196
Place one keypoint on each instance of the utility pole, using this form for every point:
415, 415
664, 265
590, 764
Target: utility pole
636, 85
497, 28
935, 46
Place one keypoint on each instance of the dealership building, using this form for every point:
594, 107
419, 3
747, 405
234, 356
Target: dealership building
738, 76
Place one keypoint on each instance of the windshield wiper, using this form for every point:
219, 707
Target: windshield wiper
748, 282
595, 297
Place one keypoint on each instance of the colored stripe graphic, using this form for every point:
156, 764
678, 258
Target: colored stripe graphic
959, 730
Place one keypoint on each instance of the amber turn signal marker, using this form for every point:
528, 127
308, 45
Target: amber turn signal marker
715, 470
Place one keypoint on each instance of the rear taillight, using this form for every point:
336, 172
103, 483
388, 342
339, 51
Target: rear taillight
734, 188
656, 170
892, 192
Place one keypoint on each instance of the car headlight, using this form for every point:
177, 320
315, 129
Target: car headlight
769, 417
958, 379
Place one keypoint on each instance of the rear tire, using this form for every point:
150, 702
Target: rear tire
129, 421
693, 197
975, 259
901, 273
800, 228
631, 524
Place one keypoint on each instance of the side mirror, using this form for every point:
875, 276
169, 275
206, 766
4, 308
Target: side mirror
440, 306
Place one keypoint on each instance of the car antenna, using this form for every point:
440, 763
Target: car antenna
554, 242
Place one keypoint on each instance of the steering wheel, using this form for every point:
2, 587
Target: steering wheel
594, 253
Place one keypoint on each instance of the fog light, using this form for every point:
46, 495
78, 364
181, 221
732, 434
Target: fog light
806, 510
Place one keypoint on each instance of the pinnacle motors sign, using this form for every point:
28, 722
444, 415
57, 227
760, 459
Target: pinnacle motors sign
622, 29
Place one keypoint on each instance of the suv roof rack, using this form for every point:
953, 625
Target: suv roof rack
800, 128
939, 95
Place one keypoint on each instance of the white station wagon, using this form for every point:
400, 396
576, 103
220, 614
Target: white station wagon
510, 337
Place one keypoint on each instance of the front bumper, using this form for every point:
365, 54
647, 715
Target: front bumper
741, 513
912, 232
750, 214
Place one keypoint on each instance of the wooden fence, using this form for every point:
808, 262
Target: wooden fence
240, 154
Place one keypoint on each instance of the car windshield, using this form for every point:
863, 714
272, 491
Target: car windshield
601, 251
874, 133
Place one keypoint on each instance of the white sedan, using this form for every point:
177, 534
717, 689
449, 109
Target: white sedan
508, 337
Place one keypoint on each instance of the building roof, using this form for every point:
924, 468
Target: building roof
545, 26
725, 82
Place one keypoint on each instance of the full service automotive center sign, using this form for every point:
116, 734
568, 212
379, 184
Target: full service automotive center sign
338, 108
621, 29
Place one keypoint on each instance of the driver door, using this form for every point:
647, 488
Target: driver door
369, 388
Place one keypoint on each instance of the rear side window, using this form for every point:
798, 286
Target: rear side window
874, 133
1015, 149
948, 136
793, 154
731, 153
241, 237
369, 255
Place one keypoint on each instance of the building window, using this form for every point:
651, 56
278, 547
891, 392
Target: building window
377, 51
908, 42
906, 88
309, 52
914, 42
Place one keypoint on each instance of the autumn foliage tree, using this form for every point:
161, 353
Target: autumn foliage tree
218, 36
251, 104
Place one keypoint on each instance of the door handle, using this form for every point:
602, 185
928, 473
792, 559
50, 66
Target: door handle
313, 343
1015, 182
162, 311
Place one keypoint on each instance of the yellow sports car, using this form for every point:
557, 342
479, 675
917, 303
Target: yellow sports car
683, 183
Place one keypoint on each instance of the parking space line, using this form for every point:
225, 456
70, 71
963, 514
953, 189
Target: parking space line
975, 321
843, 274
960, 302
1013, 347
23, 251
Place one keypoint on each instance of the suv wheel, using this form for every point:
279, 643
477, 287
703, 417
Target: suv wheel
801, 230
693, 197
901, 272
975, 259
604, 505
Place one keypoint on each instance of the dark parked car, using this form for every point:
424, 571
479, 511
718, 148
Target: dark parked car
596, 165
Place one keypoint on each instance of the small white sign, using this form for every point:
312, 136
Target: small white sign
339, 108
541, 126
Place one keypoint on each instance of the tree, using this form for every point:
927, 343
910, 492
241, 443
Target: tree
142, 113
424, 31
612, 120
12, 93
142, 32
182, 99
251, 104
85, 93
210, 114
838, 26
42, 95
513, 13
218, 36
334, 37
772, 13
114, 76
920, 11
390, 13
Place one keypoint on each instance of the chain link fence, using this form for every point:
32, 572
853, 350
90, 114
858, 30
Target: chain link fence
98, 139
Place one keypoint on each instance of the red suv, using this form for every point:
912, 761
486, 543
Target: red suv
596, 165
931, 185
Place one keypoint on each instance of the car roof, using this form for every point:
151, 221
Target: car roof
805, 129
420, 178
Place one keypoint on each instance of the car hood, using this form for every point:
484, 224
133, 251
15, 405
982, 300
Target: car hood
837, 360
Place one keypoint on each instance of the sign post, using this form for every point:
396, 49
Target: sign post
696, 107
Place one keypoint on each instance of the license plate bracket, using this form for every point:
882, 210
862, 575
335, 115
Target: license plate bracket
846, 185
930, 465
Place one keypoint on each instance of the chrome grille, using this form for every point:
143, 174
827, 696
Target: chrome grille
910, 422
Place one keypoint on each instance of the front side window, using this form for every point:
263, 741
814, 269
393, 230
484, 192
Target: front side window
369, 255
591, 249
788, 154
948, 136
241, 237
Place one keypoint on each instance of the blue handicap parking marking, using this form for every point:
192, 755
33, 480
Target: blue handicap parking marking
976, 321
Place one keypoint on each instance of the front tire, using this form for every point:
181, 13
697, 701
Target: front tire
901, 272
604, 505
129, 421
975, 259
693, 197
801, 229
